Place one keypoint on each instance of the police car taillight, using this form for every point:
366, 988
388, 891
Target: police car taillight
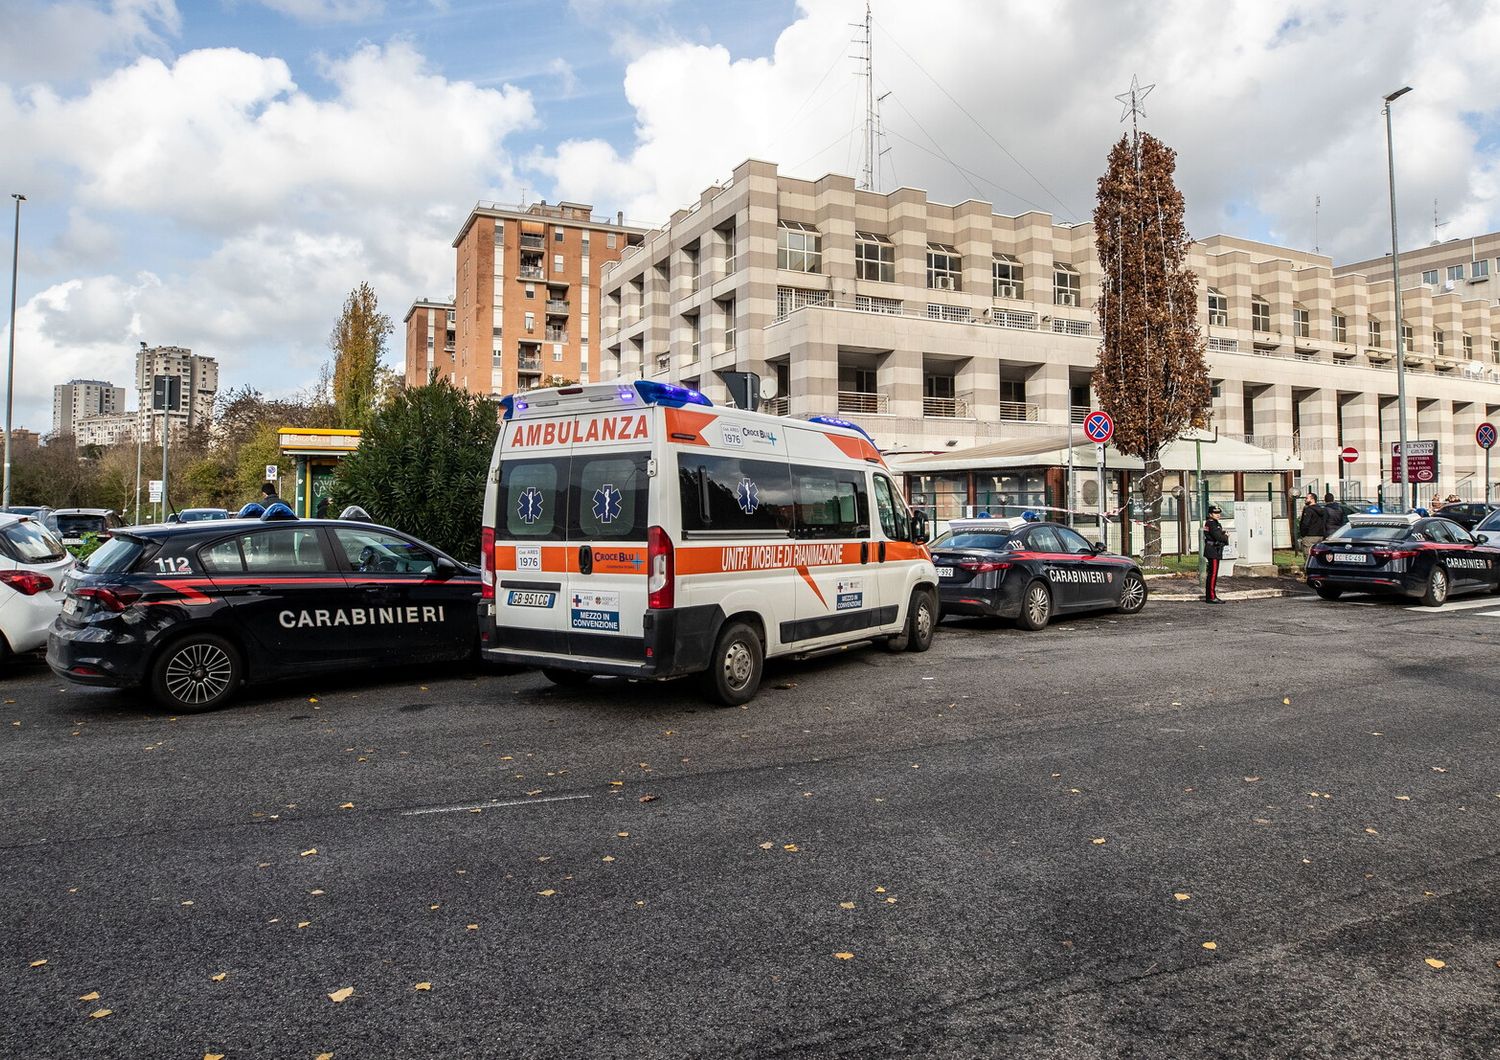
660, 569
117, 599
978, 566
487, 563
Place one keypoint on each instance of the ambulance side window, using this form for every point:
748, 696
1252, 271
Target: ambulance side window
894, 520
532, 501
727, 493
609, 497
831, 503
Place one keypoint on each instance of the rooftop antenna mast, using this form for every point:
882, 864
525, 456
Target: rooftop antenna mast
868, 72
1317, 206
1437, 226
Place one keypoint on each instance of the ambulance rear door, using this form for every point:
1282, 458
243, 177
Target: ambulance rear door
531, 550
608, 518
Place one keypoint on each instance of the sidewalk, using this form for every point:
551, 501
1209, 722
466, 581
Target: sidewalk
1185, 587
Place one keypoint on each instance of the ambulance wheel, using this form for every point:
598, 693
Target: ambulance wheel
199, 672
1437, 587
1328, 592
1036, 607
566, 678
921, 622
734, 669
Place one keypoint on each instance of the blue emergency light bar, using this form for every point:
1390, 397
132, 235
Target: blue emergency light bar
834, 421
673, 397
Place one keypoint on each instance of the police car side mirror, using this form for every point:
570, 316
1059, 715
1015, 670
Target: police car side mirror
444, 567
919, 532
1481, 539
1097, 547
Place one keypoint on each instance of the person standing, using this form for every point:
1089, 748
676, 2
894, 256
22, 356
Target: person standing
1333, 514
268, 495
1310, 524
1214, 540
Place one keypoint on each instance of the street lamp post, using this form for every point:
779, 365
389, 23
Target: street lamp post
1408, 493
10, 361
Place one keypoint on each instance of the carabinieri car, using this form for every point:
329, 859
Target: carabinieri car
1426, 557
1030, 570
194, 609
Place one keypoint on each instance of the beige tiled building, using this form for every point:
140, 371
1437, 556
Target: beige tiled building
939, 326
526, 297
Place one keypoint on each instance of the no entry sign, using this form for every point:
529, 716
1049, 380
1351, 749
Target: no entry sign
1348, 454
1099, 427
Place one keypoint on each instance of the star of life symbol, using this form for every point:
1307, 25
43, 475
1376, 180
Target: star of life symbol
748, 496
529, 505
606, 503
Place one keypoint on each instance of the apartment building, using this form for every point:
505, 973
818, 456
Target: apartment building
79, 399
1468, 267
199, 388
941, 326
114, 429
430, 342
526, 297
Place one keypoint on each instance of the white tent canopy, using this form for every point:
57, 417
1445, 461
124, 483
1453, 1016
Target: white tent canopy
1051, 450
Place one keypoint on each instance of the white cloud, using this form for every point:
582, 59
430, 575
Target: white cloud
564, 77
1268, 102
284, 200
322, 11
60, 41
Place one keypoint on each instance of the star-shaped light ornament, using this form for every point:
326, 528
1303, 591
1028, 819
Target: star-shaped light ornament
1131, 101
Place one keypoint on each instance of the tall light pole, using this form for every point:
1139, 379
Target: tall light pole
140, 428
10, 361
1408, 493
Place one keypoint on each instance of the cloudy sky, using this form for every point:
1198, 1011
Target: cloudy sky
219, 173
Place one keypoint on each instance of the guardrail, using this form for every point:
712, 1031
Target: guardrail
859, 402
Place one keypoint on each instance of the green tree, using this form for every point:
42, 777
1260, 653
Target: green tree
1151, 376
421, 465
358, 343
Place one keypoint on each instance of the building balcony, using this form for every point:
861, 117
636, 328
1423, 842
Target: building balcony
529, 364
1077, 414
1019, 411
557, 306
861, 403
530, 272
949, 407
556, 335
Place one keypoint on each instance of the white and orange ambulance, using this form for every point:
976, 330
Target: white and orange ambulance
638, 530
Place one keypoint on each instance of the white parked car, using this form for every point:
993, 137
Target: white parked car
32, 565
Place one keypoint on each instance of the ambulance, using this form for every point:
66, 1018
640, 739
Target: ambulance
636, 529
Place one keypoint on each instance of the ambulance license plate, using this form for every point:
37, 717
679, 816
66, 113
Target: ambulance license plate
1349, 557
945, 572
520, 598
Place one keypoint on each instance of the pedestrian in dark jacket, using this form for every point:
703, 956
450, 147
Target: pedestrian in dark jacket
1311, 524
1214, 540
1333, 515
268, 495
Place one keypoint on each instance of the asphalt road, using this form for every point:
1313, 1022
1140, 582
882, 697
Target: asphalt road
1239, 831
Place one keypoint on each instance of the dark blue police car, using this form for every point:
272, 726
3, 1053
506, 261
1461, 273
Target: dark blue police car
1426, 557
1030, 571
193, 610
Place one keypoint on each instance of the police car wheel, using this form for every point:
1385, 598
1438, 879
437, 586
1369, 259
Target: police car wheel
198, 672
1132, 594
1036, 607
1437, 587
566, 678
1328, 592
734, 669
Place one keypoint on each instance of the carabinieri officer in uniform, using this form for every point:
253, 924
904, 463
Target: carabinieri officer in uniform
1214, 540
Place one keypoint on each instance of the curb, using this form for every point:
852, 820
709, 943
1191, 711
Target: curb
1242, 594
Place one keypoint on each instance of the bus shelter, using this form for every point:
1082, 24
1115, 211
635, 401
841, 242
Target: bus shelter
314, 453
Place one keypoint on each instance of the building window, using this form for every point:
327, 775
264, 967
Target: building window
1218, 308
610, 240
1374, 333
1300, 321
1480, 269
1009, 279
557, 235
1013, 391
1340, 328
531, 290
1067, 288
690, 254
1438, 343
1455, 272
874, 258
530, 321
944, 268
1430, 277
695, 336
1495, 350
1468, 347
731, 248
1216, 388
1406, 337
1260, 314
799, 248
727, 308
557, 263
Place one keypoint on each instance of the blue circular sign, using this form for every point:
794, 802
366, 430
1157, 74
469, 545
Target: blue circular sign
1099, 426
1485, 436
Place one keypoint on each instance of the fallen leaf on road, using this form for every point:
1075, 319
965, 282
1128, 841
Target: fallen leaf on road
213, 1056
607, 858
1438, 769
100, 1013
323, 1056
188, 902
880, 890
846, 905
1286, 700
1371, 831
1210, 945
890, 901
767, 846
617, 783
1433, 962
548, 893
471, 927
308, 853
790, 848
346, 806
317, 890
92, 995
623, 835
421, 986
39, 963
1098, 842
1181, 896
219, 977
1251, 780
303, 923
343, 993
845, 956
538, 791
1403, 798
647, 798
435, 906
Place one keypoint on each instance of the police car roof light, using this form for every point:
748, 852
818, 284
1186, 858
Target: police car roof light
673, 397
1030, 516
251, 511
276, 512
834, 421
